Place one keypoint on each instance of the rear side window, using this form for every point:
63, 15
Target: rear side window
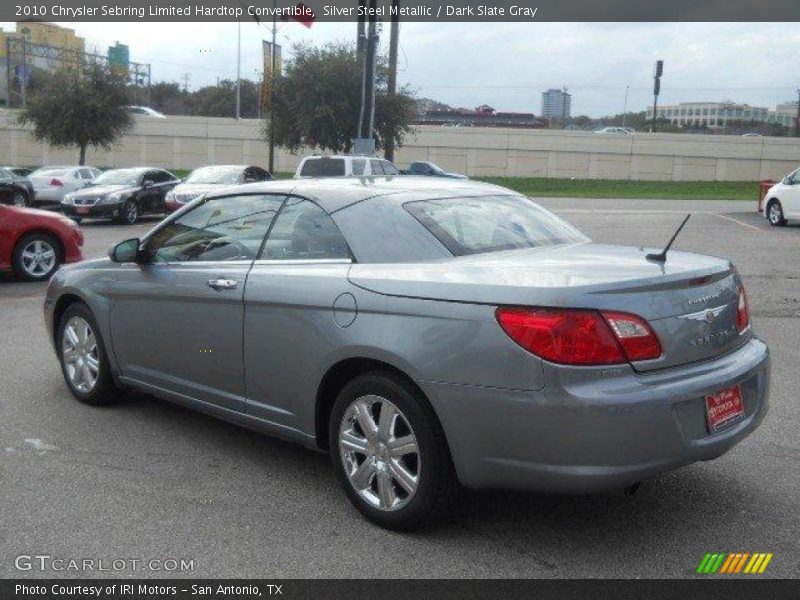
389, 168
303, 231
377, 168
323, 167
490, 224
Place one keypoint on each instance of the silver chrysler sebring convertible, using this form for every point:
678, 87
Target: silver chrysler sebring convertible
426, 333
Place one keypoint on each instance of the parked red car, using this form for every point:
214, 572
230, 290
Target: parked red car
34, 243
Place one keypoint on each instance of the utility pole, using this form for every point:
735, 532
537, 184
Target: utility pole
272, 65
361, 49
239, 71
625, 106
658, 70
394, 39
365, 142
797, 121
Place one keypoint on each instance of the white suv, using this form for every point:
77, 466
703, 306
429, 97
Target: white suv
344, 166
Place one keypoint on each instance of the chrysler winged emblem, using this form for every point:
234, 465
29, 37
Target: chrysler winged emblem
708, 315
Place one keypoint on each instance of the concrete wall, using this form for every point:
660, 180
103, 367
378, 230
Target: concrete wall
187, 142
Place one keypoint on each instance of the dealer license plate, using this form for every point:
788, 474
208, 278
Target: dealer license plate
724, 408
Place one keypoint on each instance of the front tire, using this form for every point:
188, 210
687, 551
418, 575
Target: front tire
130, 212
37, 256
389, 452
83, 357
775, 214
20, 200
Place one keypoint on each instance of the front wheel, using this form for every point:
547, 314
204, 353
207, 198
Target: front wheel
775, 214
19, 199
83, 358
36, 256
389, 453
130, 212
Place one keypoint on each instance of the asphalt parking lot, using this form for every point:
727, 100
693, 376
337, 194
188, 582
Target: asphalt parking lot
147, 480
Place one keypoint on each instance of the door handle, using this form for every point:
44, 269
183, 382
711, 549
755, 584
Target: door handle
223, 284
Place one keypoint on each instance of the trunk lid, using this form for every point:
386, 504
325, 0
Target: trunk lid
675, 297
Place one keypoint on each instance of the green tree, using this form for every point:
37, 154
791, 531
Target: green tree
79, 107
220, 100
317, 101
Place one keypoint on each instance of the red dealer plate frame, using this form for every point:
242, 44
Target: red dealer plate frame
82, 210
724, 408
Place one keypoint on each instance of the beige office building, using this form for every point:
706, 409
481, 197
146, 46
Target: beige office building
714, 115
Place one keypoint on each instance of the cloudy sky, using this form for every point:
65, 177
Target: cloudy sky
507, 65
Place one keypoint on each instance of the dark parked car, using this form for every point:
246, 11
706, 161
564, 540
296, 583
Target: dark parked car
205, 179
15, 189
34, 243
18, 171
122, 195
428, 169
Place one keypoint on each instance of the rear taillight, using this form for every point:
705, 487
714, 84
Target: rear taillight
637, 338
56, 183
742, 311
580, 337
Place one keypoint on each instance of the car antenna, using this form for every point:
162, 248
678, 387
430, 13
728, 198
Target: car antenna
662, 256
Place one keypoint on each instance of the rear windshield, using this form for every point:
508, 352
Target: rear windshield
492, 223
323, 167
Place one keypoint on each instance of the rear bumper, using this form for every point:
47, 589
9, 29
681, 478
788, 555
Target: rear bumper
592, 430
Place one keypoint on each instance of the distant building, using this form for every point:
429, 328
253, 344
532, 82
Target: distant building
556, 104
482, 116
45, 35
119, 57
784, 114
713, 115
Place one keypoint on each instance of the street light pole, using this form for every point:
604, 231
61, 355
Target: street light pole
239, 71
272, 66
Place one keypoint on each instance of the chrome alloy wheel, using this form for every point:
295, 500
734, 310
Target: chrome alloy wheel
19, 200
379, 453
775, 213
38, 258
79, 353
131, 212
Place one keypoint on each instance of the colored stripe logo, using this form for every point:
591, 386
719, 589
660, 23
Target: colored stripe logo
734, 563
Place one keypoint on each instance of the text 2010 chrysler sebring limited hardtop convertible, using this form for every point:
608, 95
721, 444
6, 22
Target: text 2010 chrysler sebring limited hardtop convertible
425, 332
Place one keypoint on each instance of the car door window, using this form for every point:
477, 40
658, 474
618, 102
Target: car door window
86, 174
375, 166
219, 229
359, 166
303, 231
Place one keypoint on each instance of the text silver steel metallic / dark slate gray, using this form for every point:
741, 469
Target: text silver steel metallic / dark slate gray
380, 325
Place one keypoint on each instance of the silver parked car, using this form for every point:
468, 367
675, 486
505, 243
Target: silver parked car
426, 332
51, 184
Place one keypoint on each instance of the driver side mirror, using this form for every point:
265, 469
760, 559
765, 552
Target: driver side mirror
125, 252
148, 183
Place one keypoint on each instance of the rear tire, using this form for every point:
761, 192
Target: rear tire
37, 256
400, 476
83, 358
775, 214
